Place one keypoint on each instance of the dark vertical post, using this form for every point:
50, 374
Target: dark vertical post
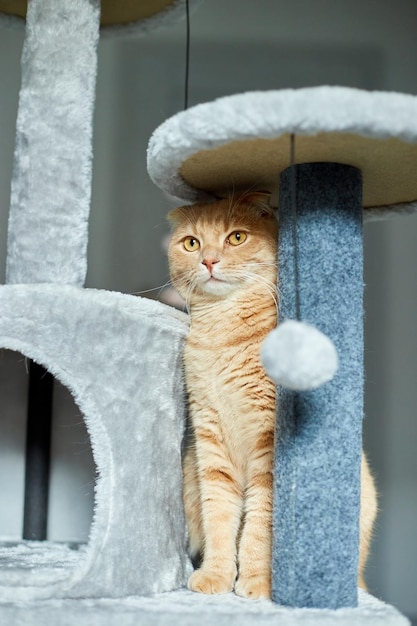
38, 446
318, 447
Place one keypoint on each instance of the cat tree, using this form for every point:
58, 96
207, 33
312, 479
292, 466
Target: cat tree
120, 356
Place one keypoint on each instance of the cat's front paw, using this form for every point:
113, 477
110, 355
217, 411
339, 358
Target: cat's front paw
205, 581
254, 587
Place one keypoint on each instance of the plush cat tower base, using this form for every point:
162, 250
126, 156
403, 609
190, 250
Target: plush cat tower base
185, 608
102, 347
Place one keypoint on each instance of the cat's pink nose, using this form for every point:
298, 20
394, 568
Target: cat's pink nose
209, 262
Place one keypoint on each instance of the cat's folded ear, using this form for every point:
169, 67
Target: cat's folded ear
260, 200
177, 215
173, 216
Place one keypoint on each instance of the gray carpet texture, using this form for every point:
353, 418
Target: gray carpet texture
185, 608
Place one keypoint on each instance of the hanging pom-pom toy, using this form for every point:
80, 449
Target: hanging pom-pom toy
298, 356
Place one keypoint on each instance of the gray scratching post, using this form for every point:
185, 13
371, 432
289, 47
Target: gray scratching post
318, 451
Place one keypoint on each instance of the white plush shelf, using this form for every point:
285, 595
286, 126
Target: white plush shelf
185, 608
242, 142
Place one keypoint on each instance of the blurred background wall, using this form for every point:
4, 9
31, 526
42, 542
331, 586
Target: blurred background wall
236, 46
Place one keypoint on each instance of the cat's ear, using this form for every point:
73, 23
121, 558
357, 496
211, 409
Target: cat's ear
172, 216
183, 215
260, 200
176, 216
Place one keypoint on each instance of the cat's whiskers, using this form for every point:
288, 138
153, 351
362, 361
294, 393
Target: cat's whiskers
191, 287
265, 283
258, 264
203, 309
160, 288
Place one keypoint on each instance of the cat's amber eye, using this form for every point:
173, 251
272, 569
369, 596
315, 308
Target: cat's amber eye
237, 237
191, 244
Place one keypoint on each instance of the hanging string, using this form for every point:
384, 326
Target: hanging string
294, 226
187, 54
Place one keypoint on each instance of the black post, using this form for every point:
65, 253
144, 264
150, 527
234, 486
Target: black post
38, 450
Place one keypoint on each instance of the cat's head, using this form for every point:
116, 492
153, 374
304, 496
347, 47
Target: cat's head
224, 246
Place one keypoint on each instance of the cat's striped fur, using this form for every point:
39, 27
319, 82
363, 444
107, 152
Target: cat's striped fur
223, 261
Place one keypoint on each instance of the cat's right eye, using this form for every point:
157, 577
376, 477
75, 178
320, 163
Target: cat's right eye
191, 244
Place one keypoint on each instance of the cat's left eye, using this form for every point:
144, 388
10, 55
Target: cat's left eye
237, 237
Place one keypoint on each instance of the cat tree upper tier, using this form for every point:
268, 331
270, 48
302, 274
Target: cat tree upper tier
244, 141
149, 13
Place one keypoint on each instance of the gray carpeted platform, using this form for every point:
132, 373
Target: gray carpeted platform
185, 608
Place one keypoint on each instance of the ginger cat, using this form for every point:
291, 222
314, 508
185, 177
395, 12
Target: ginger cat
223, 261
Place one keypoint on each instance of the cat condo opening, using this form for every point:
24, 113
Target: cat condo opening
68, 471
70, 467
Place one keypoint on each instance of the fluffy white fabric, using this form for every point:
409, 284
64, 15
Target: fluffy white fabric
270, 114
186, 608
51, 185
298, 356
120, 356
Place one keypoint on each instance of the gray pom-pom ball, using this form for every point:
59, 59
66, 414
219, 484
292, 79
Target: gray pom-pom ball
298, 356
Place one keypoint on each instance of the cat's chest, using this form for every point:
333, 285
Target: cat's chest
228, 393
227, 381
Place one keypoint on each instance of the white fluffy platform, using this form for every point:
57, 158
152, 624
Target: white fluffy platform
185, 608
243, 140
